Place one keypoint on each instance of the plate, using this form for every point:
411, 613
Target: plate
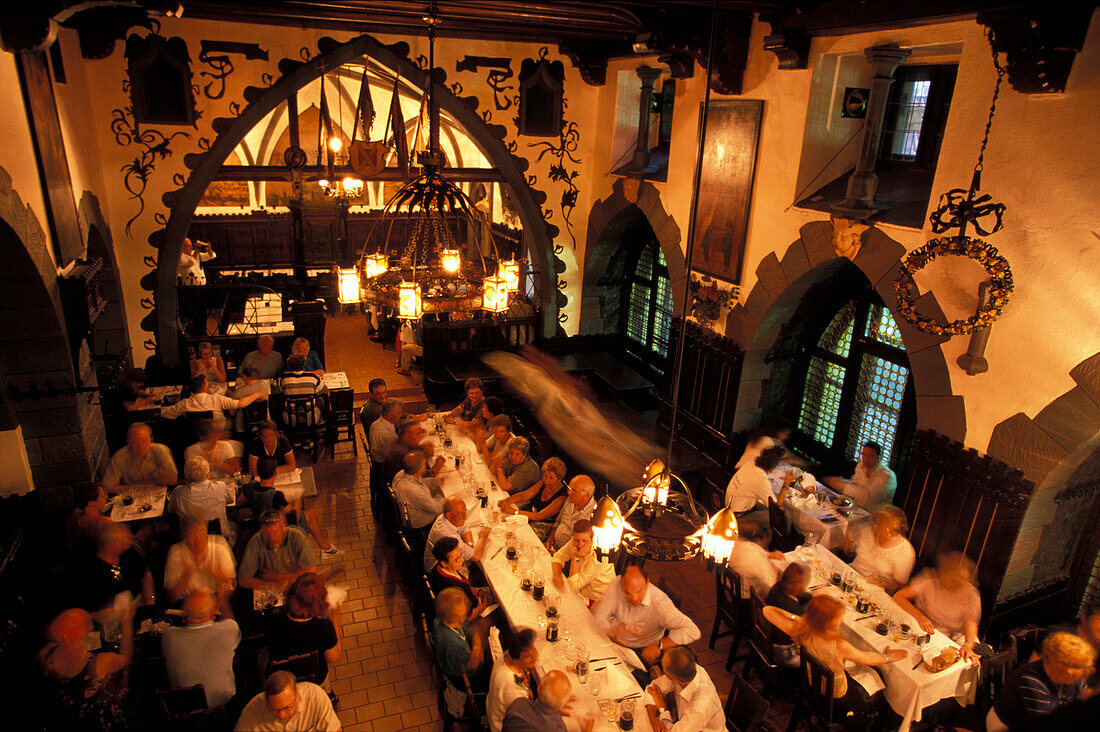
840, 501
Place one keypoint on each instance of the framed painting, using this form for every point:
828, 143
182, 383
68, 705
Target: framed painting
728, 165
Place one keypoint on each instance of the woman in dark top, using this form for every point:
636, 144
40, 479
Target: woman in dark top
447, 572
789, 594
308, 625
543, 500
271, 444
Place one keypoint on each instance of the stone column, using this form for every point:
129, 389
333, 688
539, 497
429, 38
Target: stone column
860, 201
645, 104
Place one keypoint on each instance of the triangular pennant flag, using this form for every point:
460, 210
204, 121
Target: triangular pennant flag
364, 109
400, 142
420, 140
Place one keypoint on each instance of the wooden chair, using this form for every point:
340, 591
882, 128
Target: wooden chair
729, 611
341, 421
472, 714
302, 427
761, 651
784, 537
993, 673
816, 685
304, 666
745, 709
254, 414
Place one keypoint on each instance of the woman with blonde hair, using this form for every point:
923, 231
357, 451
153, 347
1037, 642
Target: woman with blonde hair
945, 599
207, 364
816, 631
543, 500
300, 347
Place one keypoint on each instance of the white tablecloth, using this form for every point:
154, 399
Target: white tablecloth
575, 621
809, 516
908, 690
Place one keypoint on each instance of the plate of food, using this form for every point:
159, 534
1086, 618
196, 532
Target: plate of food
840, 501
936, 661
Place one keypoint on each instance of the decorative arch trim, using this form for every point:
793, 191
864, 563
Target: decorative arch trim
780, 285
627, 194
262, 100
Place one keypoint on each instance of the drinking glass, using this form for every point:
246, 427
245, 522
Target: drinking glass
597, 679
538, 586
626, 714
581, 664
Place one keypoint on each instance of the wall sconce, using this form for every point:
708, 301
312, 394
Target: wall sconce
973, 361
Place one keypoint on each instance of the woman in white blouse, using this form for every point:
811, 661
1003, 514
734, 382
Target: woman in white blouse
749, 486
883, 555
945, 599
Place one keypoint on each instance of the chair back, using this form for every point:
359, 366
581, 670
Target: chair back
182, 701
1025, 641
254, 414
761, 628
728, 585
342, 404
300, 414
992, 675
780, 521
745, 709
817, 684
302, 665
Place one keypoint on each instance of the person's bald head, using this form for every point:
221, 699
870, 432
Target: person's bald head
200, 606
581, 490
635, 583
70, 627
555, 691
455, 510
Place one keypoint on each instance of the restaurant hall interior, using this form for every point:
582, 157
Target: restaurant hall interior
874, 220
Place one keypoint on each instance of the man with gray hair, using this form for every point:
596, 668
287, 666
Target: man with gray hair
547, 714
265, 359
519, 472
684, 697
202, 499
142, 463
418, 495
288, 704
201, 652
452, 522
382, 433
580, 503
410, 436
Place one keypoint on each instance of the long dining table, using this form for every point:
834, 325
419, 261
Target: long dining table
810, 515
609, 680
910, 685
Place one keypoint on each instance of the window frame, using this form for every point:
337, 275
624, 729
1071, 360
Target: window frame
936, 110
835, 457
647, 351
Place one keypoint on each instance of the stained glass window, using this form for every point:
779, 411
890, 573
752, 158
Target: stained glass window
855, 382
649, 312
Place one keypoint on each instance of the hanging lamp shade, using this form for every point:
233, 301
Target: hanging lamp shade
348, 286
494, 294
409, 305
719, 536
375, 264
450, 260
510, 272
607, 525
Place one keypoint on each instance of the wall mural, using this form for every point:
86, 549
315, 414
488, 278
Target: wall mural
222, 66
500, 72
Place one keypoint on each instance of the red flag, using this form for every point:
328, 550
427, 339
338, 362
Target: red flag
401, 143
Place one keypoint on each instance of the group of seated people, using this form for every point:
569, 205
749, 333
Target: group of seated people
944, 599
204, 571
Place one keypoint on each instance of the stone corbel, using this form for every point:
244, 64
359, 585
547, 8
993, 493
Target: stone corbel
792, 48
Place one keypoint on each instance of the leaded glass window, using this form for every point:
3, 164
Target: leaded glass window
856, 382
649, 310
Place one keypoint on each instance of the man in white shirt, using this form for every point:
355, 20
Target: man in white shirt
773, 433
586, 574
201, 400
288, 704
684, 698
452, 522
749, 488
511, 677
382, 431
191, 258
750, 559
213, 446
249, 382
872, 483
637, 615
883, 555
202, 651
420, 497
580, 503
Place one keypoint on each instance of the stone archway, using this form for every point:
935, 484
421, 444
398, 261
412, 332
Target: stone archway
296, 74
780, 286
62, 435
629, 200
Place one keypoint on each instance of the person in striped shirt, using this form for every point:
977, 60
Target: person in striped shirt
1040, 687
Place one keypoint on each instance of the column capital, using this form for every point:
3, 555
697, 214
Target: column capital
884, 59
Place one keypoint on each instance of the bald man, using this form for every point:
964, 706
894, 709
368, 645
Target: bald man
201, 652
452, 522
548, 713
639, 616
142, 463
580, 503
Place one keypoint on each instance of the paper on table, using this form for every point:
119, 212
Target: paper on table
294, 476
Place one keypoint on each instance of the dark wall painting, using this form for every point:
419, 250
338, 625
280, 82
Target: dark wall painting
725, 187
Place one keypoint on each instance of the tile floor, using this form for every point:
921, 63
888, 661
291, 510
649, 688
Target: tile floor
385, 680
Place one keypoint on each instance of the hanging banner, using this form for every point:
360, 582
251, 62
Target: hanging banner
400, 141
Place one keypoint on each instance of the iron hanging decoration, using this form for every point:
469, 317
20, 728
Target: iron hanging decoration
958, 209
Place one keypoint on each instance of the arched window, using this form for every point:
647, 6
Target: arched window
856, 384
649, 305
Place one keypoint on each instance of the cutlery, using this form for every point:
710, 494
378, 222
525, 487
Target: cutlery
818, 587
498, 551
919, 662
628, 696
609, 658
864, 618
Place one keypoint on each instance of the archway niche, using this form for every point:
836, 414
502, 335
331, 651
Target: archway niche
63, 436
538, 234
764, 324
613, 247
